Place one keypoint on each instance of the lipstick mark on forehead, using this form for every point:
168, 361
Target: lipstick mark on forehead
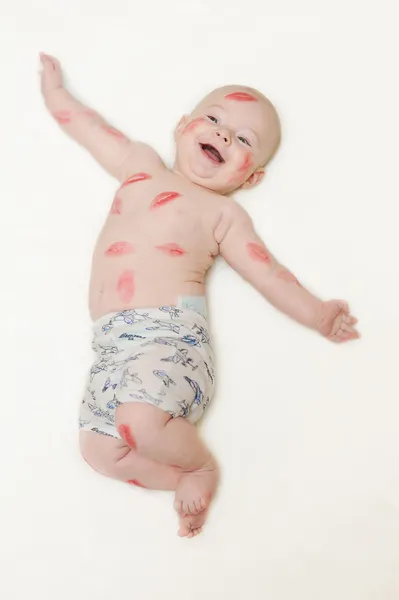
125, 286
63, 117
135, 178
171, 249
119, 249
258, 252
163, 198
193, 125
241, 97
116, 207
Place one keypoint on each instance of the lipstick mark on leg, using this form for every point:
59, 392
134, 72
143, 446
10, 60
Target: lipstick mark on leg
119, 249
126, 435
125, 286
241, 97
116, 208
193, 125
171, 249
163, 199
135, 178
135, 482
63, 117
258, 252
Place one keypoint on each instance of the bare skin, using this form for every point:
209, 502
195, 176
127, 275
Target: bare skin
164, 229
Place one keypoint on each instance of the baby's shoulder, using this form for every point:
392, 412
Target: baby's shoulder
142, 157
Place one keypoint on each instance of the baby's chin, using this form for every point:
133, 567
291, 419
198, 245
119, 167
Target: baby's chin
221, 183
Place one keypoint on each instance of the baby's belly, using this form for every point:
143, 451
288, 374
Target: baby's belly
141, 281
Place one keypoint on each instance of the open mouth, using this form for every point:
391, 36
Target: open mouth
212, 153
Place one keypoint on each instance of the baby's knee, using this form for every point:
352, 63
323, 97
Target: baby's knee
139, 424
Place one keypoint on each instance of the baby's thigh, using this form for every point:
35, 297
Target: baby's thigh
101, 452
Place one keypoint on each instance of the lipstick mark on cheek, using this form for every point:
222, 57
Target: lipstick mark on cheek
171, 249
125, 286
258, 252
286, 275
119, 249
116, 207
126, 435
135, 482
246, 164
163, 198
193, 125
241, 97
63, 117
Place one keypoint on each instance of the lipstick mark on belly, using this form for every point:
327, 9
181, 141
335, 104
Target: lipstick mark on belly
119, 249
246, 164
126, 435
241, 97
135, 178
135, 482
163, 198
116, 207
171, 249
125, 286
258, 252
286, 275
63, 117
193, 125
112, 131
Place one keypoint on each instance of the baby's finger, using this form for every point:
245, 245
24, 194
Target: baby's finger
349, 319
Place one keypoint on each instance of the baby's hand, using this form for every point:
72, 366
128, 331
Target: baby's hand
336, 322
51, 74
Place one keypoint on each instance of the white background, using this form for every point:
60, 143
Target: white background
306, 431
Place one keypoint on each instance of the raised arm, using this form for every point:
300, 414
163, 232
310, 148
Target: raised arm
246, 253
111, 148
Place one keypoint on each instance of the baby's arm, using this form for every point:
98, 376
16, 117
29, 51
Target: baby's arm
246, 253
109, 147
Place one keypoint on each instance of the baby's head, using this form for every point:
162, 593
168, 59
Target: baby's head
227, 140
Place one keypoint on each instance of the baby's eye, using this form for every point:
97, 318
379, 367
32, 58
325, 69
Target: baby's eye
243, 140
211, 118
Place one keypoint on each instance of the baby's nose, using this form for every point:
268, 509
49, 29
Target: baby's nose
224, 134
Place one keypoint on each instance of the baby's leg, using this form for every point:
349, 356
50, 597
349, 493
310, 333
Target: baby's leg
113, 458
174, 442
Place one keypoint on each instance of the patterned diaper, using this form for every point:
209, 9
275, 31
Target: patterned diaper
160, 356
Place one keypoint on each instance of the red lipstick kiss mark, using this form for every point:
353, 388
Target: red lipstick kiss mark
116, 207
119, 248
135, 482
171, 249
246, 164
136, 177
193, 125
126, 435
88, 112
163, 198
63, 117
241, 97
258, 252
112, 131
125, 286
288, 276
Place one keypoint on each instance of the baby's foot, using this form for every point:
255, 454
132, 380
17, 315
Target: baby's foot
193, 495
191, 525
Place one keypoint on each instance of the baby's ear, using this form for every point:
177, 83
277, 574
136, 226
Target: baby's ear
255, 178
180, 125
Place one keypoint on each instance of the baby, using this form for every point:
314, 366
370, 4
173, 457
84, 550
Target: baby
154, 372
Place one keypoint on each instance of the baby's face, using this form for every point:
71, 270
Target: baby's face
227, 139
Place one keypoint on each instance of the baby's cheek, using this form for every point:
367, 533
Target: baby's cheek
193, 125
246, 164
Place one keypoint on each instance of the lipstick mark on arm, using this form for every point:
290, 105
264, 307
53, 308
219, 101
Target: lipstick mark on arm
125, 286
258, 252
135, 178
119, 249
171, 249
126, 435
163, 199
286, 275
241, 97
112, 131
63, 117
135, 482
116, 208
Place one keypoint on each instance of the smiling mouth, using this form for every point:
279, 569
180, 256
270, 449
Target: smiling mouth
212, 153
